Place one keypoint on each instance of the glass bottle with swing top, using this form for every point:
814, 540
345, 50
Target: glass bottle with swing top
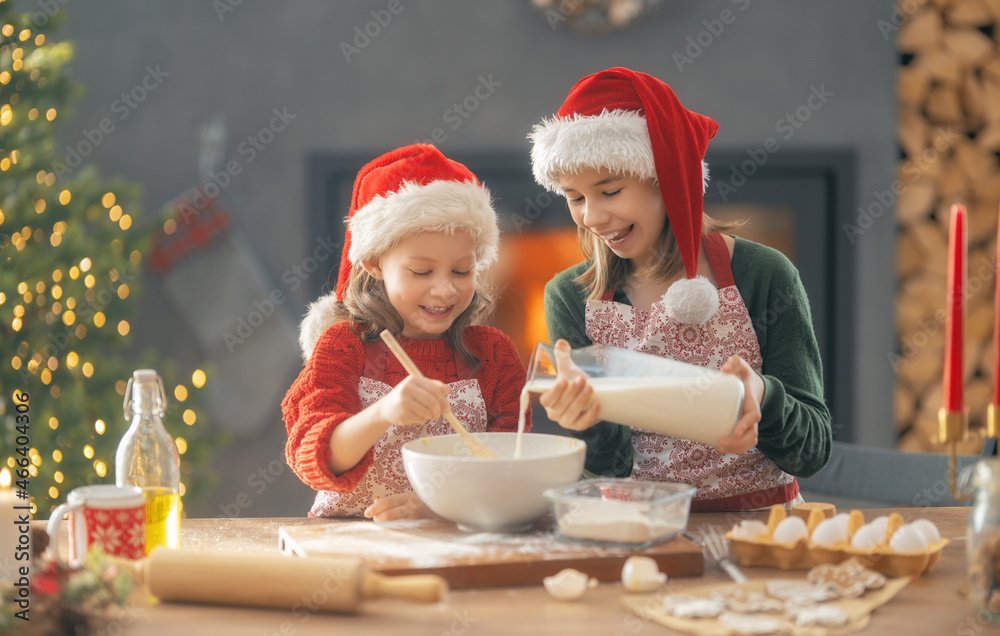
147, 457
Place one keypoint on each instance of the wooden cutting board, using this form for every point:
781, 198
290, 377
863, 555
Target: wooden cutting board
469, 560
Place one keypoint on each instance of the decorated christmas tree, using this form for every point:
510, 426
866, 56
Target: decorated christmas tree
72, 251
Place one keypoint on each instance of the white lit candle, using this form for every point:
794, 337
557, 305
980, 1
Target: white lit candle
9, 530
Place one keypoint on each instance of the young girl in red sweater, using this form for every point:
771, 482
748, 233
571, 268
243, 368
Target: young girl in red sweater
420, 231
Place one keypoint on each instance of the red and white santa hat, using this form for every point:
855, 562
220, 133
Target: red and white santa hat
401, 193
633, 124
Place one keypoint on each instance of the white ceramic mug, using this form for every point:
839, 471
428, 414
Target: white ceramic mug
113, 517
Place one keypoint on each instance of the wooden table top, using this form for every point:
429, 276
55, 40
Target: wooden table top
931, 604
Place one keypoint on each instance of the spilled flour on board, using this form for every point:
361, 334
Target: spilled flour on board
379, 544
424, 543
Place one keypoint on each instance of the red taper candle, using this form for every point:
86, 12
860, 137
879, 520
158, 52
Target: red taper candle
954, 298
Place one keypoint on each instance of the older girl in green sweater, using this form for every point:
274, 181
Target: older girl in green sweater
661, 278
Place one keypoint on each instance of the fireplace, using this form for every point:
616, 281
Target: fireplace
796, 202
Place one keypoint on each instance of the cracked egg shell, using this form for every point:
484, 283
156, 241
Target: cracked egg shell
566, 585
642, 574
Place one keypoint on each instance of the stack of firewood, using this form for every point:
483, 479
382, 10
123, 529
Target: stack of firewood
949, 133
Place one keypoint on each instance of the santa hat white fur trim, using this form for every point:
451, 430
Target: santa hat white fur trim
691, 301
438, 206
318, 319
617, 140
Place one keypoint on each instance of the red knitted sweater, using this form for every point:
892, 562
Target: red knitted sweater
326, 393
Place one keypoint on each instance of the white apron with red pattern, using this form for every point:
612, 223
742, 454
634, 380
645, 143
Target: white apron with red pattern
386, 476
724, 482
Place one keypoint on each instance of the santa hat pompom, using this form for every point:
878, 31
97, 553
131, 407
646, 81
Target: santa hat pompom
319, 317
691, 301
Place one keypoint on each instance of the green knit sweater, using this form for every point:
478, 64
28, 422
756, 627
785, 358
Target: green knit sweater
795, 428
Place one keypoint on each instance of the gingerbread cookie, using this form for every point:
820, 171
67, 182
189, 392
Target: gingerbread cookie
687, 606
750, 624
849, 579
799, 592
746, 602
822, 615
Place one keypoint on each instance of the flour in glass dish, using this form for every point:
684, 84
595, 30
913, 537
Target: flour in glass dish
598, 523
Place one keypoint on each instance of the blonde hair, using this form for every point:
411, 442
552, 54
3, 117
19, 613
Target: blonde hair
367, 308
608, 271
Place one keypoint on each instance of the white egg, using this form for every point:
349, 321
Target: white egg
749, 529
881, 523
907, 539
566, 585
829, 532
642, 574
791, 530
927, 528
842, 518
867, 537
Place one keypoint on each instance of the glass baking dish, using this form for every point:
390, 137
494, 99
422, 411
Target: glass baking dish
621, 512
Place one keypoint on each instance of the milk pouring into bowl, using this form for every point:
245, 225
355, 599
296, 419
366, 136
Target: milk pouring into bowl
646, 391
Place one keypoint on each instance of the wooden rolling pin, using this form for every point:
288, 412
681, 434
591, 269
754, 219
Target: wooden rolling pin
335, 584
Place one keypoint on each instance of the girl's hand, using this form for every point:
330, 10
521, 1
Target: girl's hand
403, 506
570, 402
744, 436
414, 401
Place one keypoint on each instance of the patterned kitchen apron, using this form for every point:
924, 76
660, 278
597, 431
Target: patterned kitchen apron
724, 481
386, 476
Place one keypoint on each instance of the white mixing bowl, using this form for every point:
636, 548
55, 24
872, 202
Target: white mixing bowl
492, 495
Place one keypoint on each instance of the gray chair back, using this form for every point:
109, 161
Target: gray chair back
865, 477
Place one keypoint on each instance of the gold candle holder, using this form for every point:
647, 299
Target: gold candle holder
991, 421
953, 427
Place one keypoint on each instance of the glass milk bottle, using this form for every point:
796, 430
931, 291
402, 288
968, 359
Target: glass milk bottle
983, 540
147, 457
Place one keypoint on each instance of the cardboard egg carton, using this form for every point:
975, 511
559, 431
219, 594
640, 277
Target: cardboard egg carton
765, 551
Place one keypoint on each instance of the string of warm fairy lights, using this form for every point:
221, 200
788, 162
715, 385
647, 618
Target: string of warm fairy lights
75, 300
101, 467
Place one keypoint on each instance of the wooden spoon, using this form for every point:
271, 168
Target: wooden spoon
475, 446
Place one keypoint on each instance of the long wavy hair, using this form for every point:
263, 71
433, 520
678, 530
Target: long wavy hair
608, 271
367, 308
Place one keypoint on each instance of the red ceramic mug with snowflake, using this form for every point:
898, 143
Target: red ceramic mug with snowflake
113, 517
